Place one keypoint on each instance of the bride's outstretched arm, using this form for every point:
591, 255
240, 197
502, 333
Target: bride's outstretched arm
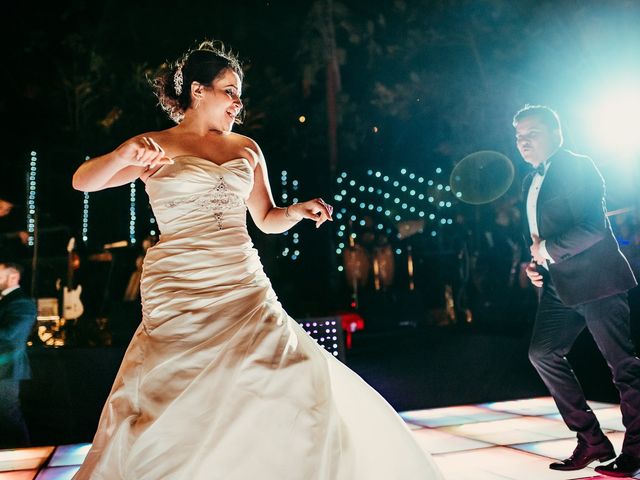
272, 219
129, 161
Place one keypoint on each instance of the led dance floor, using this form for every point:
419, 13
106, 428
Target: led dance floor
513, 440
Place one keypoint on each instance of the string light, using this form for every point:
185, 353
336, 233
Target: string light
85, 214
152, 221
85, 218
295, 185
132, 213
407, 201
31, 201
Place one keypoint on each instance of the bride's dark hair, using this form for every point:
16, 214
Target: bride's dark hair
203, 64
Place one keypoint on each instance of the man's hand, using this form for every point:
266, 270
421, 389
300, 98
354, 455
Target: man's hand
534, 275
536, 254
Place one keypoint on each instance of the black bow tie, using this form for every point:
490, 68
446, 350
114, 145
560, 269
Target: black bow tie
540, 169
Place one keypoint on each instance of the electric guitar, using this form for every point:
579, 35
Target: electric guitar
72, 307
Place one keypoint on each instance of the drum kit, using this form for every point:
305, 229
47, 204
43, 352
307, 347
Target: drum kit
378, 264
479, 178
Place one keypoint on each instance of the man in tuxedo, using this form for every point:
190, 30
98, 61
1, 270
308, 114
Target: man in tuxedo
17, 317
583, 280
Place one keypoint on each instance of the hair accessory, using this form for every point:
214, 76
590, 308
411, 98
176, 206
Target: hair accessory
178, 80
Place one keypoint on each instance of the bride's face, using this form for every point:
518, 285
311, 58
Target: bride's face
222, 100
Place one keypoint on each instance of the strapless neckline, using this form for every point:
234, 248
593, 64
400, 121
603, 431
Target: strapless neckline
203, 160
222, 165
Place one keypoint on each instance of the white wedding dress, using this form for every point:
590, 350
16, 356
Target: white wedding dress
219, 383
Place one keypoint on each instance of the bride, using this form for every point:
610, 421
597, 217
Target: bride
219, 383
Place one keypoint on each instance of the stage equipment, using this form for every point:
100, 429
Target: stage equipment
383, 267
357, 266
327, 331
72, 307
406, 230
50, 326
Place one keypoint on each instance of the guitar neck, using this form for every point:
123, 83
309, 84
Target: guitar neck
70, 270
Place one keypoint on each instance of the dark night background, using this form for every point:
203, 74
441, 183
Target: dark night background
419, 85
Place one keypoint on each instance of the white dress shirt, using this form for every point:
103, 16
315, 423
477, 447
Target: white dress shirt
532, 210
7, 291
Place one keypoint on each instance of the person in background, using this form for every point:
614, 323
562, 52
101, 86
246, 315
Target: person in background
17, 317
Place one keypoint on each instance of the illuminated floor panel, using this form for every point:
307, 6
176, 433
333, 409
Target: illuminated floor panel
514, 440
435, 441
442, 417
609, 418
57, 473
467, 445
534, 406
67, 455
19, 475
513, 431
499, 463
558, 448
24, 458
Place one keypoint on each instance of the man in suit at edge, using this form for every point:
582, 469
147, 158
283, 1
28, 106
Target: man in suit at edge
17, 317
583, 279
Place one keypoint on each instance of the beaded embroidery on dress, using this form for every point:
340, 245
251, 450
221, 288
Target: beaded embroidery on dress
216, 200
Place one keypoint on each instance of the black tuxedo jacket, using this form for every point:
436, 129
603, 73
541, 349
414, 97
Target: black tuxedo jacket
17, 316
571, 216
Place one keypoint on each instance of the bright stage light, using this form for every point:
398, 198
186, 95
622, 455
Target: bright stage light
615, 121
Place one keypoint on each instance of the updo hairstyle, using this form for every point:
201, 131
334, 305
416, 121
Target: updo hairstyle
203, 64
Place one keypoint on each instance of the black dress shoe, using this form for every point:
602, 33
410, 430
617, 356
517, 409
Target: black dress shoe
623, 466
584, 454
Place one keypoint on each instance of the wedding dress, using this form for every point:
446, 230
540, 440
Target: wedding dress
219, 383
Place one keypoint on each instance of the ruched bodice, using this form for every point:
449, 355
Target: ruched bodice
219, 383
187, 195
204, 244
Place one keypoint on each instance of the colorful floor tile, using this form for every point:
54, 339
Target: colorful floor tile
512, 440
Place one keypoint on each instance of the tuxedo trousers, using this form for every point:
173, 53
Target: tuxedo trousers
556, 328
13, 429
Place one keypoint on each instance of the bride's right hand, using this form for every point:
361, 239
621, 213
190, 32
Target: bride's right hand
142, 152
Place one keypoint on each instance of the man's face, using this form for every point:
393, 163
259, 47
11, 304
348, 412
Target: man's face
8, 277
5, 208
536, 141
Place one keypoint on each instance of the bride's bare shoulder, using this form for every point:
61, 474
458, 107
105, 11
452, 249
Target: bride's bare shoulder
249, 146
161, 135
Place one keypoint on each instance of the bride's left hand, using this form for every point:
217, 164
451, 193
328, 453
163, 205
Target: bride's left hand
317, 210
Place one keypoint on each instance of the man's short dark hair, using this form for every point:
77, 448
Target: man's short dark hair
13, 266
546, 115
